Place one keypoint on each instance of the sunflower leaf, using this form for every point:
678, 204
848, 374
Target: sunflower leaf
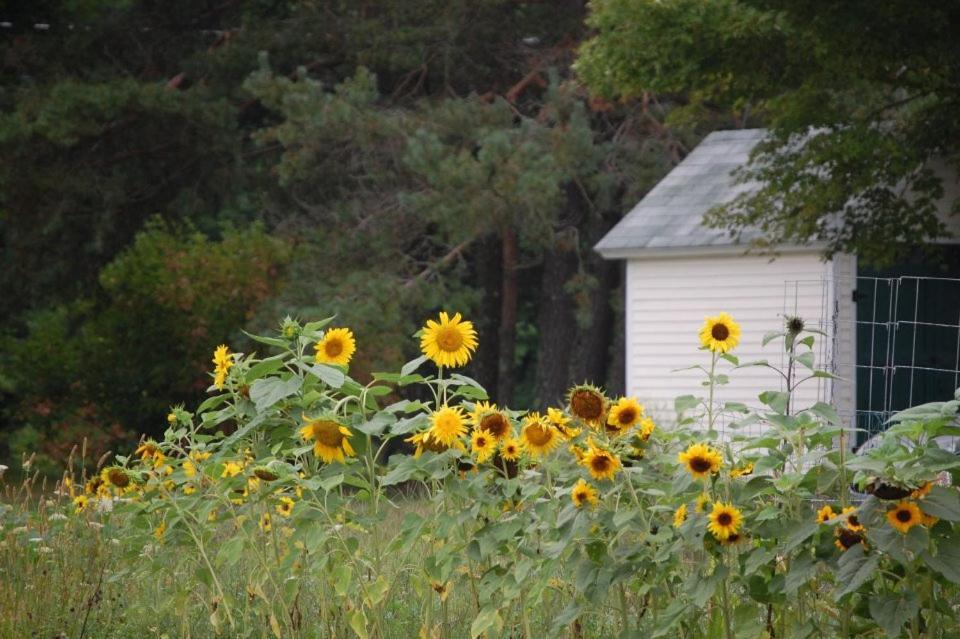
267, 392
412, 365
488, 618
854, 569
890, 610
942, 502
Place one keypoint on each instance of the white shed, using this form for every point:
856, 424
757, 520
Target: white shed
678, 272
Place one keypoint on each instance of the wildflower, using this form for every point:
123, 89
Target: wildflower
587, 403
539, 436
701, 460
583, 493
484, 445
680, 516
487, 417
825, 514
285, 507
904, 516
450, 342
80, 503
624, 415
602, 464
510, 449
740, 471
223, 361
447, 425
331, 440
719, 334
725, 520
336, 347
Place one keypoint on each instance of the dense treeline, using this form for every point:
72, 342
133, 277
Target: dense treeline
171, 171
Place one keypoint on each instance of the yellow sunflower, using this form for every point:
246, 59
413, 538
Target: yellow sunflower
602, 464
223, 361
825, 514
511, 448
80, 503
336, 347
484, 445
646, 428
850, 519
424, 442
562, 423
719, 334
923, 491
846, 538
725, 520
447, 425
266, 523
538, 435
734, 539
449, 342
701, 460
741, 471
231, 469
587, 403
285, 507
680, 516
331, 440
486, 417
904, 516
147, 450
115, 476
584, 493
702, 500
624, 415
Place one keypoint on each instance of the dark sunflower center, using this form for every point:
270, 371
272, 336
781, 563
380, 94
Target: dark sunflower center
700, 464
853, 520
481, 442
601, 463
734, 538
538, 435
449, 339
904, 516
724, 519
333, 347
328, 434
627, 416
580, 495
848, 538
720, 332
119, 478
586, 405
495, 424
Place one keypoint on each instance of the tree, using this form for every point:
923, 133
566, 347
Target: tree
861, 99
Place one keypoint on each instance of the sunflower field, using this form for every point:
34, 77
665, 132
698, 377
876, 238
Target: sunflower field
298, 502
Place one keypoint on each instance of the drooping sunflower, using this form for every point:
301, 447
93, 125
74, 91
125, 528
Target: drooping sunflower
742, 471
624, 415
285, 507
701, 460
146, 450
231, 469
601, 463
538, 435
336, 347
331, 440
825, 514
923, 491
584, 493
720, 334
846, 538
850, 519
587, 403
483, 444
511, 448
680, 516
904, 516
223, 361
115, 476
450, 342
486, 417
734, 539
725, 520
646, 428
701, 503
447, 425
562, 423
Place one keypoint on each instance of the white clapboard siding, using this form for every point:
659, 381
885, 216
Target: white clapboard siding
668, 299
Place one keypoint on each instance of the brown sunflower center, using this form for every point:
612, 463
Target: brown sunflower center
700, 464
586, 404
627, 416
734, 538
852, 519
848, 538
118, 478
904, 516
724, 519
720, 332
539, 435
580, 495
482, 442
449, 339
495, 424
600, 463
328, 434
333, 347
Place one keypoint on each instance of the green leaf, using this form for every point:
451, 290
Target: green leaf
332, 377
267, 392
776, 400
270, 341
412, 365
801, 532
855, 567
231, 551
488, 618
942, 502
891, 610
358, 623
946, 561
683, 403
807, 359
263, 368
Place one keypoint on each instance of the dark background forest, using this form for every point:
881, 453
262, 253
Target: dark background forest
173, 173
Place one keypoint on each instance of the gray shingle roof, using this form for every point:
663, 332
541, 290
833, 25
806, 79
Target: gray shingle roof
670, 215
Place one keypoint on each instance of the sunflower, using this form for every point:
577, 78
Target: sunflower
923, 491
447, 425
583, 493
336, 347
160, 530
850, 519
587, 403
331, 440
147, 450
719, 334
423, 442
680, 516
171, 418
80, 503
846, 538
115, 476
825, 514
265, 523
484, 445
538, 435
646, 428
904, 516
511, 448
740, 471
734, 539
624, 415
701, 460
602, 464
486, 417
285, 507
702, 500
231, 469
449, 342
265, 474
222, 360
725, 520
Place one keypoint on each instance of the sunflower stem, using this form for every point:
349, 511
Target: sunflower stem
725, 603
710, 413
625, 619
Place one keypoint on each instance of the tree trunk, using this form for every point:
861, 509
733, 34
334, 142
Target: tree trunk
557, 322
508, 317
489, 278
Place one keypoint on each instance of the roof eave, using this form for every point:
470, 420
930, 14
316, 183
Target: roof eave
726, 250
